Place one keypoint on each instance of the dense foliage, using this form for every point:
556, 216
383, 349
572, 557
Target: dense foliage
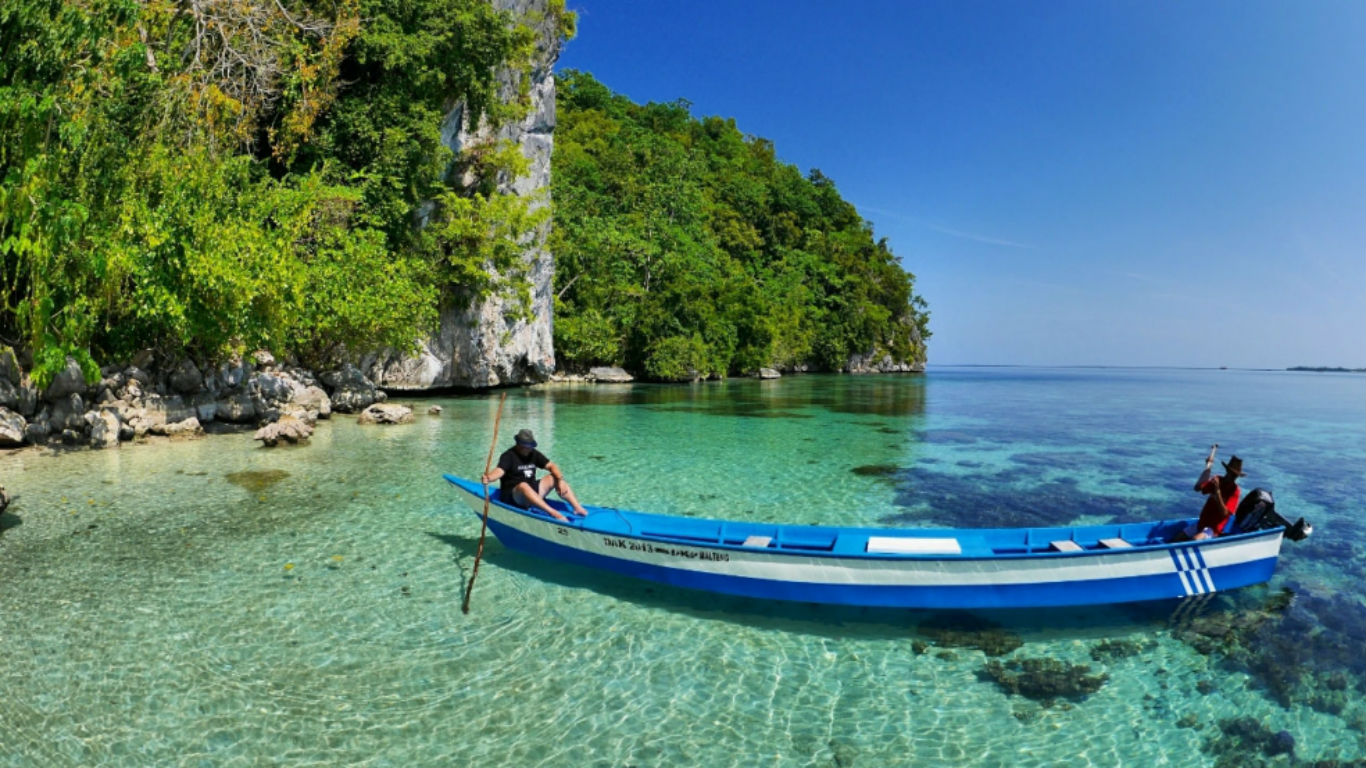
208, 176
684, 248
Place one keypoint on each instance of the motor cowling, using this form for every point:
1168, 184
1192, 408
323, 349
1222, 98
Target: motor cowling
1257, 512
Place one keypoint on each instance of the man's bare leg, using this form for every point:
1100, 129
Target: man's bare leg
536, 501
565, 492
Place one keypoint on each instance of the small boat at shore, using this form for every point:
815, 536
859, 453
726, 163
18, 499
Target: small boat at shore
904, 567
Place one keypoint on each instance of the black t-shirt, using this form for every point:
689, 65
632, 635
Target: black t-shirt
517, 469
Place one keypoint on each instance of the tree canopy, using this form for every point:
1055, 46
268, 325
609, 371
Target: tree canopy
209, 176
686, 248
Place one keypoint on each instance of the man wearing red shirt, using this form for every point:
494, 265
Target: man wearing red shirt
1223, 493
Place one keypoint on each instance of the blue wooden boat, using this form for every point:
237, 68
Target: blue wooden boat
910, 568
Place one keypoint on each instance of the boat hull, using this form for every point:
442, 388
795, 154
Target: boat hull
605, 541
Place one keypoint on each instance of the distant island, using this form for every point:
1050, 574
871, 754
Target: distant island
1322, 369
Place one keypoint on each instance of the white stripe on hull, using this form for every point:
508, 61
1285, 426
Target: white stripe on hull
930, 572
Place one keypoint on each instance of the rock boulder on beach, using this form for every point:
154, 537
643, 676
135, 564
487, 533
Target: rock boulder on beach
12, 427
68, 412
9, 365
186, 378
314, 399
236, 408
384, 413
68, 381
37, 431
351, 390
288, 428
103, 426
609, 375
184, 428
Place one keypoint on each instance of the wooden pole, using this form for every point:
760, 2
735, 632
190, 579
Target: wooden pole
1209, 464
488, 464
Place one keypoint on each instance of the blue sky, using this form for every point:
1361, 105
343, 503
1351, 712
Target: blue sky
1071, 182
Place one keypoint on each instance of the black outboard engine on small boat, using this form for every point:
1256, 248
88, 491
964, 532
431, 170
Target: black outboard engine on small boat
1257, 512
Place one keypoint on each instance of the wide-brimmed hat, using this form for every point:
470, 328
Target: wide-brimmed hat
525, 437
1234, 466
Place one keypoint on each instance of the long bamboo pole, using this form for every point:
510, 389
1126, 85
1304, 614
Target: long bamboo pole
483, 529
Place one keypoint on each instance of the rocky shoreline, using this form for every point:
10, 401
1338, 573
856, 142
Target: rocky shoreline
174, 399
180, 398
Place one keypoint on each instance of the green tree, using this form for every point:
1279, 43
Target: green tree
684, 248
208, 177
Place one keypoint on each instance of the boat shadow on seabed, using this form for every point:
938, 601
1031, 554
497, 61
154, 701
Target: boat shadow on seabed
1298, 644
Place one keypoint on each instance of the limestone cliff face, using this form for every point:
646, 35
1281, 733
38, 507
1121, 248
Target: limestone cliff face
881, 361
486, 344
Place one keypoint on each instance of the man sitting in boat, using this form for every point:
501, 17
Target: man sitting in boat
517, 469
1223, 492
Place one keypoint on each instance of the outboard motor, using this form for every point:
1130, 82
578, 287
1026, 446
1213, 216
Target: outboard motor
1257, 512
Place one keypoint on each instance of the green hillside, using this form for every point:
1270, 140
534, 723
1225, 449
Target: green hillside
684, 247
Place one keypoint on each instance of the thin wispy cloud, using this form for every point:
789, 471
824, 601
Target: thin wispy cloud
973, 236
980, 238
1144, 278
1160, 282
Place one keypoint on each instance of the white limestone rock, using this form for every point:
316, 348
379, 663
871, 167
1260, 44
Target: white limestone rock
609, 375
488, 344
386, 413
12, 427
103, 426
288, 428
186, 428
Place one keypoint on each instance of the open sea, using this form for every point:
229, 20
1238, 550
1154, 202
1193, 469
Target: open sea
210, 602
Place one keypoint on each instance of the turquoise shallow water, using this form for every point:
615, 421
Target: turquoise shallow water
155, 612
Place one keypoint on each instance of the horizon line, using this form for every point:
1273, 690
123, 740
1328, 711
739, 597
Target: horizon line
1312, 368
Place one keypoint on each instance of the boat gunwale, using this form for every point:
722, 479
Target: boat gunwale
577, 524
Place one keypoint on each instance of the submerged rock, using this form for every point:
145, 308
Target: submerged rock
1118, 649
1247, 741
1300, 648
255, 480
876, 470
964, 630
1045, 679
381, 413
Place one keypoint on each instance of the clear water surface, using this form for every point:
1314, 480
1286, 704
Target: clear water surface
209, 602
